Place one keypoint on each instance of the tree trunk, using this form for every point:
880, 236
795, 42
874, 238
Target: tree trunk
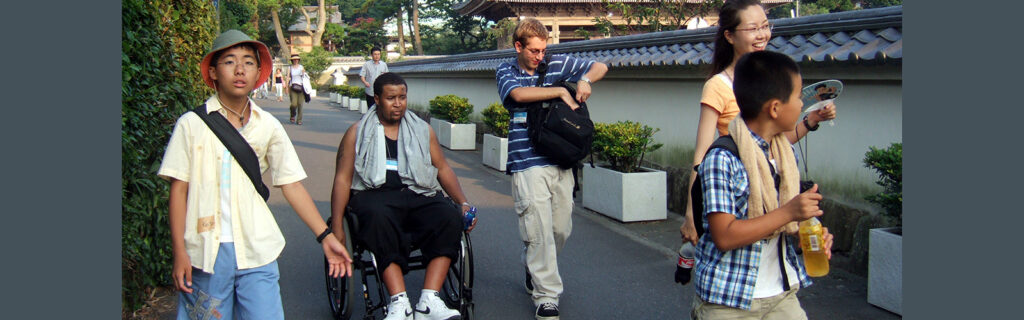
285, 50
401, 33
321, 24
416, 43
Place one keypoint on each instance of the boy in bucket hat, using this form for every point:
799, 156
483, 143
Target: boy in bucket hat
225, 240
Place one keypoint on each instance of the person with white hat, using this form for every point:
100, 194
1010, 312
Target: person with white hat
224, 238
296, 89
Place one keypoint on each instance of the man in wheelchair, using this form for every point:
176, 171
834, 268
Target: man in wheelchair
390, 171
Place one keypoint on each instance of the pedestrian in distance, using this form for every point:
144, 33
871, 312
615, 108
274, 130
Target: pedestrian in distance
278, 85
541, 191
224, 238
298, 88
746, 262
370, 71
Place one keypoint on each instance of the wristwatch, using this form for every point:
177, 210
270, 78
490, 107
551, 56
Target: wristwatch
585, 79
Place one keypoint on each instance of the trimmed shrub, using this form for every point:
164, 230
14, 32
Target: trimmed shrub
316, 61
889, 165
356, 92
162, 43
623, 144
451, 107
496, 118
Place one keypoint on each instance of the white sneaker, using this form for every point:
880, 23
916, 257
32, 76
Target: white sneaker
431, 307
399, 308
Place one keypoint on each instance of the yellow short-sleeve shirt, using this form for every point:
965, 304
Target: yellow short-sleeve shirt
718, 95
194, 155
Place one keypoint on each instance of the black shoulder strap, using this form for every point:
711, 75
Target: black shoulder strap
240, 149
724, 142
542, 70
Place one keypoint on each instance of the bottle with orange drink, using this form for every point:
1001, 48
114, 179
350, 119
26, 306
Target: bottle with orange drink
812, 241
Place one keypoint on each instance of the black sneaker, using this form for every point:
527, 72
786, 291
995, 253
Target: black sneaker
529, 283
547, 311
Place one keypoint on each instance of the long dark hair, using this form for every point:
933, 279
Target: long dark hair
728, 19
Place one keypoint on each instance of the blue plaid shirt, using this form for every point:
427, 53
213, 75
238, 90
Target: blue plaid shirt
521, 155
728, 278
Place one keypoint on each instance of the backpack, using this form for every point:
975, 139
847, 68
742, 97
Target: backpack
697, 191
556, 131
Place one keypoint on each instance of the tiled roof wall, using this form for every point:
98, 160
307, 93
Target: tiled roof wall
873, 35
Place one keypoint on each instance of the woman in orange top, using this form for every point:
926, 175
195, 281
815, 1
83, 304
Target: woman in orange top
743, 28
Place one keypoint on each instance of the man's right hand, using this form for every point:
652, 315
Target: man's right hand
805, 205
182, 272
568, 99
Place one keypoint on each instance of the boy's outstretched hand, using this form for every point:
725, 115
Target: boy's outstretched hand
805, 205
338, 261
182, 273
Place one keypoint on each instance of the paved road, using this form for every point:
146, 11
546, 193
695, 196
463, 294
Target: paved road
610, 270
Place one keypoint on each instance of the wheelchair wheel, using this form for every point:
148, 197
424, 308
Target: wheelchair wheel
457, 289
340, 290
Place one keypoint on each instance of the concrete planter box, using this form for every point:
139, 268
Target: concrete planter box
312, 92
627, 197
455, 136
495, 152
885, 269
332, 96
362, 106
353, 104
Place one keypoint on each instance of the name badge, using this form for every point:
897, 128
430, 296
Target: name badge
391, 164
519, 117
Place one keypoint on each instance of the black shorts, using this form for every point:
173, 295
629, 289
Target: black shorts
394, 222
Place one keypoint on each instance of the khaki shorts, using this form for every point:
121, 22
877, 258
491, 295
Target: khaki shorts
783, 306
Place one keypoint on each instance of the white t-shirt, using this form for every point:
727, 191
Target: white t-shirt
769, 277
225, 196
296, 74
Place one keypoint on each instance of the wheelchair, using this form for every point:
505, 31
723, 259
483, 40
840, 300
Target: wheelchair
456, 291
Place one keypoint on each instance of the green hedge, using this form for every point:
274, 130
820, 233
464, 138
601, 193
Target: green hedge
889, 165
623, 144
162, 42
451, 107
496, 118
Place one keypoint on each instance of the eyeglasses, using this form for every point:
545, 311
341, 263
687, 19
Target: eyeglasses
767, 27
248, 64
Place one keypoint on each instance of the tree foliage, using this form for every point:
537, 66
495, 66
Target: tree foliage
239, 15
815, 7
657, 15
316, 61
162, 42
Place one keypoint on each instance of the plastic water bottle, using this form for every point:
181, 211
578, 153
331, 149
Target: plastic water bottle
813, 244
685, 262
469, 217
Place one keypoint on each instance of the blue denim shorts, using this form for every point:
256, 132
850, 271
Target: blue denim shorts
230, 293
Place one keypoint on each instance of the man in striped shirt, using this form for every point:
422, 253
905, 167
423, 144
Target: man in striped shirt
542, 191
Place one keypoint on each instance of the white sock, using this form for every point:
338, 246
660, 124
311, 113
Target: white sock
400, 295
426, 294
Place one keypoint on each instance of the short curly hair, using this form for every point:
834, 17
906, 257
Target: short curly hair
528, 28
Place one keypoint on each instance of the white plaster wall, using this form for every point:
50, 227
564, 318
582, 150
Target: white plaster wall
870, 112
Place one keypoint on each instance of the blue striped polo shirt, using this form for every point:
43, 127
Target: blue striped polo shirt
521, 155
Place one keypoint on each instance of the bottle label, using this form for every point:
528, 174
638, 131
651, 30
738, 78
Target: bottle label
813, 242
685, 262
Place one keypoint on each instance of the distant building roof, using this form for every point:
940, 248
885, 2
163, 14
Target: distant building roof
859, 36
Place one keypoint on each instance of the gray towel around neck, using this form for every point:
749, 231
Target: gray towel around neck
414, 164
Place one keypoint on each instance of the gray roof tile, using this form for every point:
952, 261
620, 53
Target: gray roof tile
848, 37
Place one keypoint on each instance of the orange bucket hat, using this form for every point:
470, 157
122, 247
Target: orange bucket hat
229, 39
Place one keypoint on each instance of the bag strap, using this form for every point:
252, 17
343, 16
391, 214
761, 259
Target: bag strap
236, 144
542, 70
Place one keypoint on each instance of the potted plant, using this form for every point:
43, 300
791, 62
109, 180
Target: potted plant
885, 249
450, 118
624, 190
355, 94
360, 95
495, 152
